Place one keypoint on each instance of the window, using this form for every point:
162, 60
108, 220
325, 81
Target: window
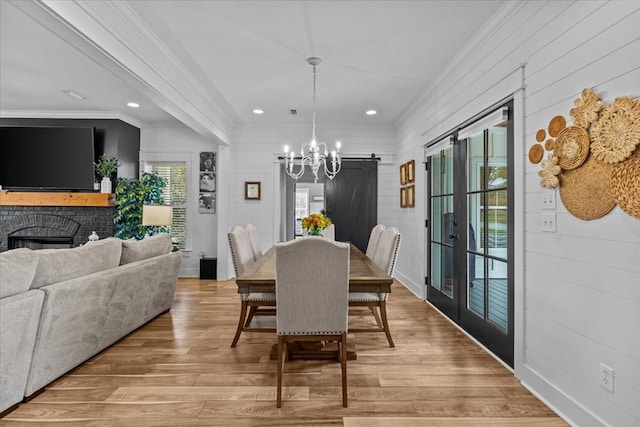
174, 194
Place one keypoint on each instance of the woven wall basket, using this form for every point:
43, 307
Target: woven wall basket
556, 125
572, 147
617, 132
586, 192
625, 184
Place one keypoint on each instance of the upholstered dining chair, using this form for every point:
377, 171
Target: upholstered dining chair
312, 298
329, 232
242, 256
374, 238
384, 257
255, 241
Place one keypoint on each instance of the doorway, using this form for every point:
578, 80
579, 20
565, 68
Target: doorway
350, 199
470, 246
309, 198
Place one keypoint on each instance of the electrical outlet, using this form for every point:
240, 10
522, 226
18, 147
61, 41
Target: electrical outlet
548, 199
606, 377
549, 222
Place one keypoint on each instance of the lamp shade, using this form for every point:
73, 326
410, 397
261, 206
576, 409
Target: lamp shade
156, 215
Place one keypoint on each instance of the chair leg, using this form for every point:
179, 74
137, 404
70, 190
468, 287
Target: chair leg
343, 363
281, 348
375, 314
385, 323
243, 315
252, 311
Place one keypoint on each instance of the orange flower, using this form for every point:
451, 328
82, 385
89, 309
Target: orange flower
315, 222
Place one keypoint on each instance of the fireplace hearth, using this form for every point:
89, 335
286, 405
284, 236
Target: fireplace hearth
41, 227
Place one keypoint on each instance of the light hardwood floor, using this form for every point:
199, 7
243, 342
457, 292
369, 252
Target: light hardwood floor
179, 370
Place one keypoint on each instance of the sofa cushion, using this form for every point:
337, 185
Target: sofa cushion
148, 247
17, 269
57, 265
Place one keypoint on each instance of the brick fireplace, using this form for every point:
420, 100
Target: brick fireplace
53, 226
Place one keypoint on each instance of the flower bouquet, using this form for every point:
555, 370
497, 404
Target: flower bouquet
315, 223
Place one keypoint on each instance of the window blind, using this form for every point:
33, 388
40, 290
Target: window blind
175, 194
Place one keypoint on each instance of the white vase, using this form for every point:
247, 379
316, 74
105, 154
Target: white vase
105, 185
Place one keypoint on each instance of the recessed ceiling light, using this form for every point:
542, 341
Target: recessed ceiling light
73, 94
258, 111
371, 112
133, 104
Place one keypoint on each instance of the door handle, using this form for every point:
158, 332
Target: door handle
454, 236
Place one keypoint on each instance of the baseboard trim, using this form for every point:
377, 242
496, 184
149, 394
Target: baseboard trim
572, 412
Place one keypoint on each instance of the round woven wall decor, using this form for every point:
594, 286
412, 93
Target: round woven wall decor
549, 144
586, 108
586, 192
556, 125
535, 153
572, 147
617, 132
541, 135
625, 184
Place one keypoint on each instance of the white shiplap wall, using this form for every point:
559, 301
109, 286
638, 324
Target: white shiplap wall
181, 143
578, 289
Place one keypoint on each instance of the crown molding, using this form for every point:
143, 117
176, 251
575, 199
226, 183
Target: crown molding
96, 115
494, 24
121, 36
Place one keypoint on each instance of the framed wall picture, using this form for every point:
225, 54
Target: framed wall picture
411, 196
411, 171
403, 174
252, 190
403, 197
207, 182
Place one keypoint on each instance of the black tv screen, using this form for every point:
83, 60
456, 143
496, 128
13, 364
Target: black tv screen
46, 158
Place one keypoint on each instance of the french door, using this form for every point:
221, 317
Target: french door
471, 227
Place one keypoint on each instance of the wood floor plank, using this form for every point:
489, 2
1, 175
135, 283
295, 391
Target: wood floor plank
179, 370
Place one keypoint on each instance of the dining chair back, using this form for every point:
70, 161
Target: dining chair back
240, 246
312, 297
255, 241
329, 232
374, 239
242, 257
385, 257
387, 250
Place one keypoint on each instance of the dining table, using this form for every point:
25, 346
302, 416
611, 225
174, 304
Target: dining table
364, 276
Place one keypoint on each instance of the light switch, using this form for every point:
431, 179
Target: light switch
549, 222
548, 199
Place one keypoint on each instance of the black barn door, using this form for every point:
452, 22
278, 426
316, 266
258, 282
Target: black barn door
351, 201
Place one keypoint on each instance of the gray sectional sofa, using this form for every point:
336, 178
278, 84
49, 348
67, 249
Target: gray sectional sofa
59, 307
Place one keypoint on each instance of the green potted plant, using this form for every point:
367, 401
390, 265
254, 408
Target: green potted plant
131, 195
106, 167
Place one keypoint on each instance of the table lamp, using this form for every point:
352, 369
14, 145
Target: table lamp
156, 215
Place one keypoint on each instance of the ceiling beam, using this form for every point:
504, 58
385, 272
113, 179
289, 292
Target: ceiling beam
120, 40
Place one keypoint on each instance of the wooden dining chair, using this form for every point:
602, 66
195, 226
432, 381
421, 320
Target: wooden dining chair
312, 287
242, 256
374, 239
255, 241
329, 232
385, 257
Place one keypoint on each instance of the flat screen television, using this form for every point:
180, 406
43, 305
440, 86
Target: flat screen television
47, 158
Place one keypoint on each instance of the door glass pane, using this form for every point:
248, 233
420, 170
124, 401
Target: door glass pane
436, 266
441, 212
447, 271
442, 172
497, 287
475, 159
497, 223
476, 285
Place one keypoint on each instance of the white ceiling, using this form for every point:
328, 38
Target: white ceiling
246, 54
